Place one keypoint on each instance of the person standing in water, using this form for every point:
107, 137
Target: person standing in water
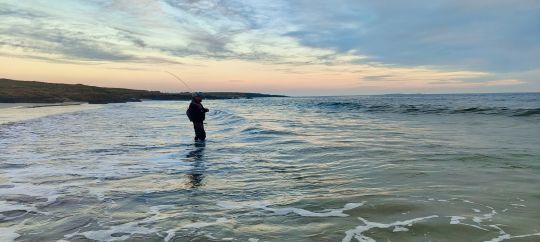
196, 114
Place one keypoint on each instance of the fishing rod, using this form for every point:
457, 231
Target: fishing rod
180, 79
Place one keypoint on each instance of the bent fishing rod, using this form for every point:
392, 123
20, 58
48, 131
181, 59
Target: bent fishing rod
180, 79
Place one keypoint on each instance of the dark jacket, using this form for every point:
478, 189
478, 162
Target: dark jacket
196, 112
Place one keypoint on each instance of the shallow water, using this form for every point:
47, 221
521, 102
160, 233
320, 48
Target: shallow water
369, 168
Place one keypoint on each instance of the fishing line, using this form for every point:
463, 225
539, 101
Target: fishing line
180, 79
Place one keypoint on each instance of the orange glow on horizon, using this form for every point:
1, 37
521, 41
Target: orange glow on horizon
235, 75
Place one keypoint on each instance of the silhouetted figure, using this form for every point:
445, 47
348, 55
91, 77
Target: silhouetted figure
197, 114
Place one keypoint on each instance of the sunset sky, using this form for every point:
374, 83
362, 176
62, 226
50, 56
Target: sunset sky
295, 47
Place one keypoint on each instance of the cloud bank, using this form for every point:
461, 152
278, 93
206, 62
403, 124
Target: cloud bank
401, 45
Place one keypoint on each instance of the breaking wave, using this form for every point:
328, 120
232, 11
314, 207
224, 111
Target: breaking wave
429, 109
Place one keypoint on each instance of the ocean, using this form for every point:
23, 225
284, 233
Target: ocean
461, 167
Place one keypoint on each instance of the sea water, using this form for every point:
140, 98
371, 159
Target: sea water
364, 168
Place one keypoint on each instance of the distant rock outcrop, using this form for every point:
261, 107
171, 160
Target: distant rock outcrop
14, 91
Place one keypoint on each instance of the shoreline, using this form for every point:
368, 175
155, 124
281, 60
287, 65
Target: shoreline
38, 105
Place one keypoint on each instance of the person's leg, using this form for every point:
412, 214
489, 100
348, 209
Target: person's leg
203, 133
196, 129
200, 134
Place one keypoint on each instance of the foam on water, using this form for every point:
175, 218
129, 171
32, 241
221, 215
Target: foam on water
480, 219
456, 219
288, 210
357, 232
505, 236
459, 220
145, 226
126, 230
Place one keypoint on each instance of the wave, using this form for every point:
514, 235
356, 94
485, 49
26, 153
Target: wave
528, 112
428, 109
259, 131
226, 117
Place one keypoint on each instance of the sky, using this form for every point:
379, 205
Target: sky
293, 47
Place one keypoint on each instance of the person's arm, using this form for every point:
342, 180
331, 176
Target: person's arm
205, 109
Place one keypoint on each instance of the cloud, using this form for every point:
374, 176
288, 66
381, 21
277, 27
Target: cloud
468, 84
484, 35
49, 38
376, 77
69, 44
132, 37
508, 82
7, 10
395, 43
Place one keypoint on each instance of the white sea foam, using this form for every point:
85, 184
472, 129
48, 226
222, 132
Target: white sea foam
141, 227
456, 219
127, 229
357, 232
288, 210
172, 232
400, 229
487, 216
505, 236
106, 235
